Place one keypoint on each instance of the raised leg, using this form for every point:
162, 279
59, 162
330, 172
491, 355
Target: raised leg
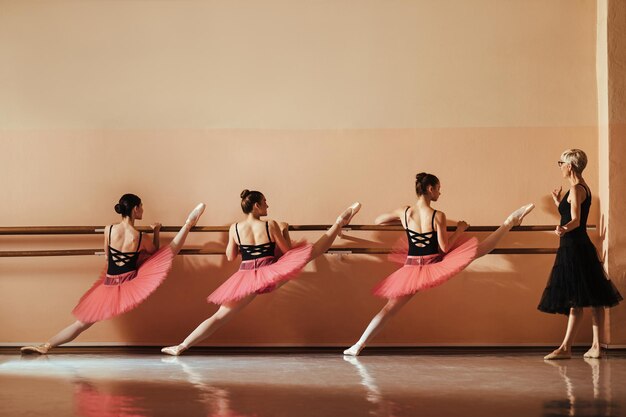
514, 219
327, 239
179, 240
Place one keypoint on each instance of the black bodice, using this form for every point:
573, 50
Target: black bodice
421, 244
565, 210
249, 252
122, 262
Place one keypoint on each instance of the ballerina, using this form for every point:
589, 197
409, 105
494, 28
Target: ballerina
433, 256
135, 268
260, 271
577, 279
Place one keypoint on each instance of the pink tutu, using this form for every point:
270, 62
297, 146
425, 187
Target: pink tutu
262, 275
112, 295
423, 272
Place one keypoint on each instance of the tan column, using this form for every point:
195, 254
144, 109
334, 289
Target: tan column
612, 151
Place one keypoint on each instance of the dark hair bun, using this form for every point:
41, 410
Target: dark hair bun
118, 209
244, 193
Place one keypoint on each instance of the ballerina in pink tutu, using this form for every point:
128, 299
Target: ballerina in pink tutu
260, 271
135, 268
433, 256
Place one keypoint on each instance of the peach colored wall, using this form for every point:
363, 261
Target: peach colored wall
316, 104
612, 141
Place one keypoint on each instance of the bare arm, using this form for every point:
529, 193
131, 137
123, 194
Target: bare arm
447, 241
577, 196
279, 238
156, 229
232, 249
106, 242
556, 196
390, 219
148, 246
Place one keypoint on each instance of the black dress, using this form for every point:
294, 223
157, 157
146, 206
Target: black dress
577, 278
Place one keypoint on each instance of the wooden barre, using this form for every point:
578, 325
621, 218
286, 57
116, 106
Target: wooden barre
96, 230
346, 251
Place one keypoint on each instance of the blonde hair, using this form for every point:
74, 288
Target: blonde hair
576, 158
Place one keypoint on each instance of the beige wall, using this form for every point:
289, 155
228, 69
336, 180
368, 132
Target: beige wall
316, 104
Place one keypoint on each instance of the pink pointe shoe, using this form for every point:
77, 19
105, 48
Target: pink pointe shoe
195, 214
41, 349
345, 217
518, 215
354, 350
174, 350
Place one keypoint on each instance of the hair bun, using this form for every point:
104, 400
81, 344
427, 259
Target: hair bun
244, 193
118, 209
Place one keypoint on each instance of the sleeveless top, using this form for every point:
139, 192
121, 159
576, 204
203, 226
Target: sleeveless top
249, 252
565, 210
128, 260
421, 244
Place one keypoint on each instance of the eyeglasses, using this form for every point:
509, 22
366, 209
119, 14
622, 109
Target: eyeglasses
560, 163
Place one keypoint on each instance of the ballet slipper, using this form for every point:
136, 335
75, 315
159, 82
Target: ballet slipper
195, 214
593, 353
174, 350
558, 354
515, 218
355, 350
41, 349
345, 217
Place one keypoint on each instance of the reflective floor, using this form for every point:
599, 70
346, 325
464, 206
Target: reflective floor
277, 385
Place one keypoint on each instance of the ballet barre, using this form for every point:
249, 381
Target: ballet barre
94, 230
331, 251
98, 230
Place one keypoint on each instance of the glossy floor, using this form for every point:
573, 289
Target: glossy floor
494, 384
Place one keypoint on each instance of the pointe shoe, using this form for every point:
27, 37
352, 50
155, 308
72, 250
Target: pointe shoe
557, 354
174, 350
518, 215
592, 353
345, 217
355, 350
41, 349
195, 214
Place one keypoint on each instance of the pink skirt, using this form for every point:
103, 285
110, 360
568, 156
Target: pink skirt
262, 275
423, 272
112, 295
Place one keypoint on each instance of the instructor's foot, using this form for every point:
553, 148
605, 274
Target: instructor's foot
195, 214
558, 354
515, 218
593, 353
41, 349
355, 350
174, 350
345, 217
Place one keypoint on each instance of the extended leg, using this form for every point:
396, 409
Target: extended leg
66, 335
224, 314
378, 322
327, 239
515, 219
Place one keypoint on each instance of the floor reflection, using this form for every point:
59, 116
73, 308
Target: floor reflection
587, 391
310, 385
